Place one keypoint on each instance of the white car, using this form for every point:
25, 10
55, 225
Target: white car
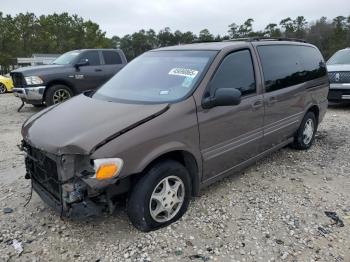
338, 67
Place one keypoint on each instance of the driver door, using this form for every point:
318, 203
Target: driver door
89, 76
230, 135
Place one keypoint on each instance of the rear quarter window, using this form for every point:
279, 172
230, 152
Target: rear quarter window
111, 58
312, 62
288, 65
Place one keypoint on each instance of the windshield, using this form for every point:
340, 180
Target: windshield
66, 58
161, 76
341, 57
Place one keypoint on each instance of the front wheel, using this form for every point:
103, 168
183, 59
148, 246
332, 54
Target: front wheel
57, 94
160, 197
305, 135
2, 88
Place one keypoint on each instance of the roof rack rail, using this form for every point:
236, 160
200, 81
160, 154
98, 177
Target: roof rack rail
256, 39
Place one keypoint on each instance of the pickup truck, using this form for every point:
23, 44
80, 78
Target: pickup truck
70, 74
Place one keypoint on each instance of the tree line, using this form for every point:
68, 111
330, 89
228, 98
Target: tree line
329, 35
24, 34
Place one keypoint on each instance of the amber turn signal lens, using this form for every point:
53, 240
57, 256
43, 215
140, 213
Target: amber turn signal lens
106, 171
107, 168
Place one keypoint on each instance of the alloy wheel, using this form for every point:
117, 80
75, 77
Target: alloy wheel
308, 132
167, 199
60, 95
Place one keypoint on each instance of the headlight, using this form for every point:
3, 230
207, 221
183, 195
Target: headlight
107, 168
33, 80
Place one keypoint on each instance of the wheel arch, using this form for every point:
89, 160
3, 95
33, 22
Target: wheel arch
59, 82
185, 158
314, 109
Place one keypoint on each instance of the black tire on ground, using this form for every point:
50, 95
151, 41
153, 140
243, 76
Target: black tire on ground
2, 88
140, 203
305, 135
38, 105
57, 94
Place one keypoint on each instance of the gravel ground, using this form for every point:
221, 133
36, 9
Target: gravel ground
273, 211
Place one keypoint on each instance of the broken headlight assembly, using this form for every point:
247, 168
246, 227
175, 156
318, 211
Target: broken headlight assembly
107, 168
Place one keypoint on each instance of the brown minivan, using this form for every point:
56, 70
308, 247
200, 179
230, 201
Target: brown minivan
173, 121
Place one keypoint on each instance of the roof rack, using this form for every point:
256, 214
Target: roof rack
256, 39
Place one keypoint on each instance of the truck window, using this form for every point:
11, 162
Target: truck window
236, 71
111, 57
92, 56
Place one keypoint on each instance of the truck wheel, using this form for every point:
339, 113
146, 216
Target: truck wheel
305, 135
57, 94
160, 197
2, 88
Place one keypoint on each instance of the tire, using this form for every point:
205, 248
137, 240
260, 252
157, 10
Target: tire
38, 105
305, 135
57, 94
3, 89
150, 193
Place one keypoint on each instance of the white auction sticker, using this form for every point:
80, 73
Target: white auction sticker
183, 72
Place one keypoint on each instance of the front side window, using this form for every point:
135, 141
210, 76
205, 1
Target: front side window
235, 71
157, 76
341, 57
92, 57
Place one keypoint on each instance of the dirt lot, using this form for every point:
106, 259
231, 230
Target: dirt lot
271, 212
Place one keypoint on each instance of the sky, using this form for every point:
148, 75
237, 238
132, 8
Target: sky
117, 17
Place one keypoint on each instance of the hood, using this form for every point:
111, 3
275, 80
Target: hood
338, 68
81, 124
42, 69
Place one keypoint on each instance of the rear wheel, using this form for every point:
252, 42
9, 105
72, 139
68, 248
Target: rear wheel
305, 135
160, 197
2, 88
57, 94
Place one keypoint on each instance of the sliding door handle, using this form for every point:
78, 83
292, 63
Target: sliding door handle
272, 100
257, 104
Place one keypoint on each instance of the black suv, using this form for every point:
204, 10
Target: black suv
70, 74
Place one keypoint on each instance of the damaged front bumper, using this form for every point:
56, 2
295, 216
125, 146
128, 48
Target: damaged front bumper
65, 183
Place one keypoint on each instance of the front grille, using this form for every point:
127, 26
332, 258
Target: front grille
339, 77
18, 79
43, 170
337, 94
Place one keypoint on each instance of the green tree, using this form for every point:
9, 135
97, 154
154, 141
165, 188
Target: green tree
272, 30
233, 31
246, 29
205, 36
289, 27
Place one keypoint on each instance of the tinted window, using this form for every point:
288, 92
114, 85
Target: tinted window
312, 62
92, 56
111, 57
235, 71
288, 65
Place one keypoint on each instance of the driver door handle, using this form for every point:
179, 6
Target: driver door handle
98, 70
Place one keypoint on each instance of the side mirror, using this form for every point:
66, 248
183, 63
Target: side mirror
223, 97
82, 62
